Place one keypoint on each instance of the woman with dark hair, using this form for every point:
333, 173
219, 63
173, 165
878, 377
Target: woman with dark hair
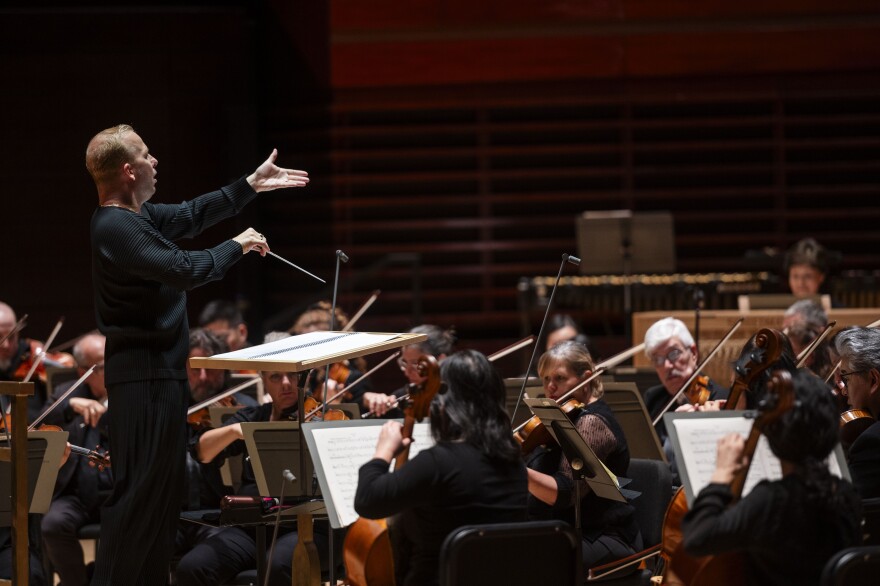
609, 528
473, 474
788, 528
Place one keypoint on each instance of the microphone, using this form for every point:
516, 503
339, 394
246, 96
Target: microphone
341, 256
566, 258
288, 476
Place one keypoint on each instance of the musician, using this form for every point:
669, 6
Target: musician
561, 327
219, 558
472, 474
788, 528
80, 487
440, 344
802, 323
859, 376
140, 277
16, 356
208, 382
224, 319
609, 528
806, 266
316, 318
671, 348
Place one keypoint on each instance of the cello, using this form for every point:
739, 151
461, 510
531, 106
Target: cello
767, 349
728, 568
367, 553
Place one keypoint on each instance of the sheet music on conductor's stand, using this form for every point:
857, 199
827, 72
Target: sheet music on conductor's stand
339, 449
695, 436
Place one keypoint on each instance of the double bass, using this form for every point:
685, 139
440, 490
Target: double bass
367, 553
767, 349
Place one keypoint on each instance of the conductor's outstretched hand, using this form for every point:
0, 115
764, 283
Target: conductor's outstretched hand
269, 176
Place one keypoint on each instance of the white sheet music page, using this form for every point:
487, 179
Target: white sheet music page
343, 450
311, 346
698, 439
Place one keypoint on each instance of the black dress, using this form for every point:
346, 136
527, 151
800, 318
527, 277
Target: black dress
444, 487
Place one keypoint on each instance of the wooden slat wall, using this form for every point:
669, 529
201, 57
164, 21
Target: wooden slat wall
485, 182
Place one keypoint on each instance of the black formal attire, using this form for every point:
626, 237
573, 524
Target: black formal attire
444, 487
36, 576
217, 559
785, 539
608, 528
79, 491
864, 462
140, 277
657, 397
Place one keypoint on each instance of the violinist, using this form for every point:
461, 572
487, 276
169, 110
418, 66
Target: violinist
217, 559
472, 475
609, 528
16, 357
440, 344
802, 323
859, 379
788, 528
316, 318
204, 383
80, 488
224, 319
671, 348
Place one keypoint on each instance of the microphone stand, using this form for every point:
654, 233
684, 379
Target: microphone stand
699, 301
565, 258
341, 257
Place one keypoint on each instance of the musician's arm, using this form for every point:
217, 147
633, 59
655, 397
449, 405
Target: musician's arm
214, 441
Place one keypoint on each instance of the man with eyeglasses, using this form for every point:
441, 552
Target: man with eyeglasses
671, 348
80, 487
859, 380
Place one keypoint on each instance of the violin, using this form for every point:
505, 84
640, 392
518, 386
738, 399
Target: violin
698, 392
367, 553
852, 423
35, 348
201, 419
728, 568
100, 460
534, 433
314, 410
767, 348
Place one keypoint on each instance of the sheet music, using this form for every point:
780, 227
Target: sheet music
343, 450
698, 440
306, 347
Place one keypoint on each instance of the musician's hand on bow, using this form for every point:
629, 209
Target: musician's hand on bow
391, 441
269, 176
377, 403
90, 410
250, 240
730, 458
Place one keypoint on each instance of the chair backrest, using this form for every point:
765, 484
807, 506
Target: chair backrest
654, 480
853, 566
506, 553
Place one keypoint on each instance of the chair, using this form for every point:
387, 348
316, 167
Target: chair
853, 566
654, 480
527, 553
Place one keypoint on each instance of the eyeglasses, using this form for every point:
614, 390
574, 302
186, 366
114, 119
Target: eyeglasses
278, 377
844, 376
403, 364
671, 356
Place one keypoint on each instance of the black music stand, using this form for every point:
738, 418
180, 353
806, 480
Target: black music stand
585, 465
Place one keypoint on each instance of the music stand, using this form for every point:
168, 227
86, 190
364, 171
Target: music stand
629, 409
584, 462
44, 451
694, 437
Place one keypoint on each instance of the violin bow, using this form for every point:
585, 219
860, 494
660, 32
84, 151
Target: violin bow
19, 326
223, 395
355, 382
42, 353
512, 348
66, 394
699, 369
806, 352
367, 304
72, 342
